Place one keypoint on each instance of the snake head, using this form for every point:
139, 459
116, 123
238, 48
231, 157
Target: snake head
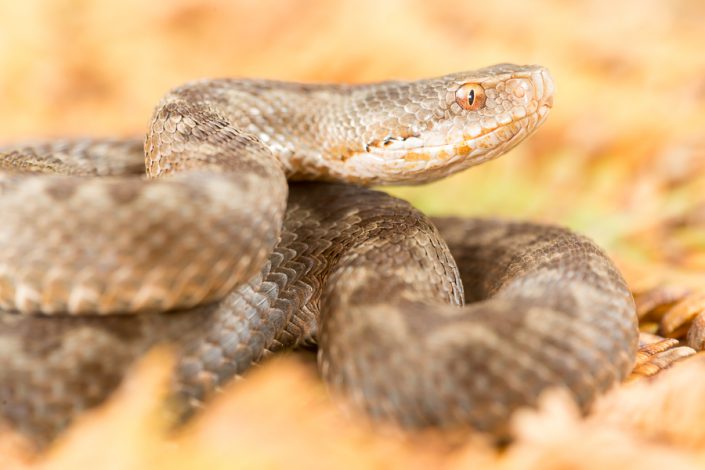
424, 130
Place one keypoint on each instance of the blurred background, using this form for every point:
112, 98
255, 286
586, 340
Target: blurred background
621, 157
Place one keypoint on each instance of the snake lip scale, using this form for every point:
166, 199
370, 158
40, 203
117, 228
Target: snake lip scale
400, 151
424, 322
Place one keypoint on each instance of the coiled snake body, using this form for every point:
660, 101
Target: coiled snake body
217, 257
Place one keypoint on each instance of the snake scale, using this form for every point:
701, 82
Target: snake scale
214, 252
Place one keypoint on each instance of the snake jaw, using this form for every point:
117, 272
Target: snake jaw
428, 158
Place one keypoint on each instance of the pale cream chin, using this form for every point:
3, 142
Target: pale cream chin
400, 165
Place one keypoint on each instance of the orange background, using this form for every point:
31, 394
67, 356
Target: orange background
621, 158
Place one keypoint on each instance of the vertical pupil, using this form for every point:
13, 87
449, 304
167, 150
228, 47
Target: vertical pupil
471, 97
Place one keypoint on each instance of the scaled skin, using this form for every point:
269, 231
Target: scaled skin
363, 273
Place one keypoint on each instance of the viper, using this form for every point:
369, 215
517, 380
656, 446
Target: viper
241, 226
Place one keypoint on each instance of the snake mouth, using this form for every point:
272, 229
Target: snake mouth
474, 147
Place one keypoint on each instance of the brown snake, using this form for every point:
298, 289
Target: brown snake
218, 258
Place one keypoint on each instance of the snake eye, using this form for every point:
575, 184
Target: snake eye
470, 96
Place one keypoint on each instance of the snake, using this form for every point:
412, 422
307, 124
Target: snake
243, 224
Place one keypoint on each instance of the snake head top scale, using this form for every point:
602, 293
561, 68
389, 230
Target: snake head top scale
420, 131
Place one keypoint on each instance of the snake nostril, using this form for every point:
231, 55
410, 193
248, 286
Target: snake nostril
521, 88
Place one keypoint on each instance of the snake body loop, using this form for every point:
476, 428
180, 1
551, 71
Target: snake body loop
213, 254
